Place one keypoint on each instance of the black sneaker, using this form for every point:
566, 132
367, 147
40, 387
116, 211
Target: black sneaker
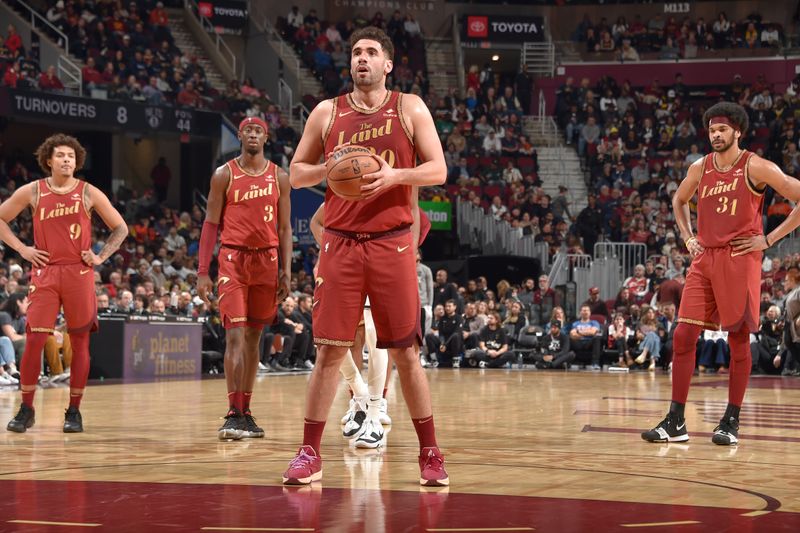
252, 431
25, 419
726, 433
671, 429
73, 422
234, 427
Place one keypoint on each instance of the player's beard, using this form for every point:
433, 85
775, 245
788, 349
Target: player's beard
374, 78
725, 146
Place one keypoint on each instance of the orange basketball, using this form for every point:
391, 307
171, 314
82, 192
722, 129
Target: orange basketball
346, 169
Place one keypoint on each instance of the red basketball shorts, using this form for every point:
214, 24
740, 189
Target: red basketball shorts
247, 285
54, 286
354, 266
722, 291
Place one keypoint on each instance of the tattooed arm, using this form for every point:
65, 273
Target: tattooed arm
119, 229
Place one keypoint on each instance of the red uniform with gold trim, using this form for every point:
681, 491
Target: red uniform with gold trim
724, 290
248, 256
62, 226
367, 248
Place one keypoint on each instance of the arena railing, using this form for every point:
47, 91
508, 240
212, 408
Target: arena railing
225, 52
35, 16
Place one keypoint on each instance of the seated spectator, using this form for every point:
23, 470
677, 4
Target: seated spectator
649, 343
515, 321
444, 344
620, 337
509, 144
715, 354
491, 144
585, 339
48, 81
638, 284
770, 36
628, 52
766, 348
13, 315
493, 346
595, 304
189, 96
511, 174
554, 349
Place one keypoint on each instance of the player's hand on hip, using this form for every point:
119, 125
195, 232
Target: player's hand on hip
694, 248
204, 287
380, 181
748, 243
36, 257
90, 258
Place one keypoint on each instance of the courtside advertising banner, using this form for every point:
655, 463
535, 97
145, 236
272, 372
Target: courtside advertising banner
439, 213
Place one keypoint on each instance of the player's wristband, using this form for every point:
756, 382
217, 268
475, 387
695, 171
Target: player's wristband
690, 239
208, 240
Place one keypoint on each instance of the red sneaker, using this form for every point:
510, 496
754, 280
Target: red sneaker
304, 468
431, 468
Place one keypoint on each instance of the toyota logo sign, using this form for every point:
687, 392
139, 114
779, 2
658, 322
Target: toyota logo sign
478, 27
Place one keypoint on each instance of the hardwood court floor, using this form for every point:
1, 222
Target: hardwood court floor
526, 450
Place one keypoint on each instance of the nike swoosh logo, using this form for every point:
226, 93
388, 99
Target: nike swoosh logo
708, 171
85, 271
273, 258
223, 279
682, 426
315, 303
318, 281
403, 249
44, 194
345, 113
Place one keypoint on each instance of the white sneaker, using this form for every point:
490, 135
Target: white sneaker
64, 376
261, 366
456, 362
5, 379
371, 435
308, 364
383, 415
422, 361
351, 410
354, 424
12, 379
481, 364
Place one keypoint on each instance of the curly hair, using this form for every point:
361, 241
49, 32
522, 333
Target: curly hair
733, 112
47, 148
374, 34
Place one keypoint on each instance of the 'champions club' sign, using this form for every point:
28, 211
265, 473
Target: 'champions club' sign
497, 28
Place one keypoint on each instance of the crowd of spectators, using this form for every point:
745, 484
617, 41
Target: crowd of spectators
638, 142
667, 37
324, 48
129, 53
475, 325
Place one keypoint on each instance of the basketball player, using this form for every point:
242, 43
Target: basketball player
63, 266
368, 246
367, 411
249, 198
723, 284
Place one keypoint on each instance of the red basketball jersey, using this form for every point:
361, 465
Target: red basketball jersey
62, 226
250, 214
384, 133
727, 203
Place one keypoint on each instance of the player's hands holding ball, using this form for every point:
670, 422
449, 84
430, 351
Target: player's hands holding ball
380, 181
748, 243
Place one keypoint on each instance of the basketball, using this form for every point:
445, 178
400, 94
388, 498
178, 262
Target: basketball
347, 168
